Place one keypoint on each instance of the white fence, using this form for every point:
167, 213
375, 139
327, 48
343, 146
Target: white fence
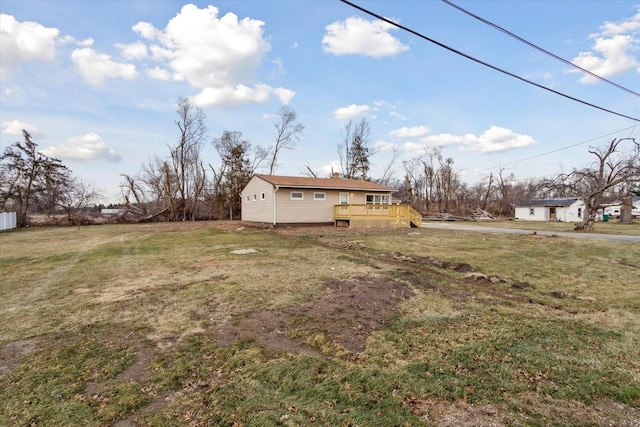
7, 220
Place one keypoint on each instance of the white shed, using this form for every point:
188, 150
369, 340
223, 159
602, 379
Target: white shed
565, 209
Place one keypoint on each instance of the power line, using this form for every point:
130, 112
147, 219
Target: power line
528, 43
486, 64
552, 151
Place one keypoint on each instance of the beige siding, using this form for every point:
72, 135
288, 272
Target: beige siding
307, 210
258, 210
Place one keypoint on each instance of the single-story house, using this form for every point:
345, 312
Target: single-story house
276, 200
615, 208
563, 209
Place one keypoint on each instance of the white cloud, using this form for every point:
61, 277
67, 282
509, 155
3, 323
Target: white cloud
414, 149
159, 73
233, 96
217, 55
496, 139
62, 40
329, 168
413, 132
146, 30
279, 68
83, 149
398, 116
493, 140
361, 37
15, 127
625, 26
24, 41
133, 51
611, 53
384, 146
97, 67
351, 112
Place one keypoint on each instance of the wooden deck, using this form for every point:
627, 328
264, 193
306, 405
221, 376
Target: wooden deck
383, 216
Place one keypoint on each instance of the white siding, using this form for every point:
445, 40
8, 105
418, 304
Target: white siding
572, 213
7, 220
540, 213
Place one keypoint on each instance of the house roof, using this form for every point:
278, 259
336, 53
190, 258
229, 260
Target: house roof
323, 183
547, 202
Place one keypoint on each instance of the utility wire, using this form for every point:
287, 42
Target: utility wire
528, 43
550, 152
486, 64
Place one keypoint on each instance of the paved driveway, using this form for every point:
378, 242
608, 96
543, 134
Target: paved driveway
449, 225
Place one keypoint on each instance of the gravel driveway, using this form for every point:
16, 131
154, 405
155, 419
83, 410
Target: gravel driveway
469, 227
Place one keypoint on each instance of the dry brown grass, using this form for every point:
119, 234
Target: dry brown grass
157, 324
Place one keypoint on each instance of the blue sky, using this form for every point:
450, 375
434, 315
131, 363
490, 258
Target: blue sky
96, 82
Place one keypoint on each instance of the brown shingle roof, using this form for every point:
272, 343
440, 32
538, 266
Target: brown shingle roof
327, 183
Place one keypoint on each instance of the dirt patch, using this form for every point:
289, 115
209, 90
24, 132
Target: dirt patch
522, 285
456, 266
345, 313
11, 354
462, 414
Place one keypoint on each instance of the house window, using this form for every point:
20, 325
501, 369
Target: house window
248, 198
262, 196
255, 197
297, 195
377, 199
532, 211
579, 212
320, 196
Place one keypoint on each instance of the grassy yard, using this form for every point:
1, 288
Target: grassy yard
163, 324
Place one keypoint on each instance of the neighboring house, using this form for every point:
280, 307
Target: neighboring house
274, 200
118, 212
565, 210
615, 208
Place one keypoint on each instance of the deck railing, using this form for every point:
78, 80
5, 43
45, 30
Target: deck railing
393, 215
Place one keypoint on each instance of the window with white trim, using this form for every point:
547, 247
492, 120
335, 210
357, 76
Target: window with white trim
377, 199
248, 198
255, 197
297, 195
532, 211
320, 196
262, 196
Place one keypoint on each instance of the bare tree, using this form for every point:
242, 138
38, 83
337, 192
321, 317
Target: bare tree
612, 167
27, 175
236, 168
389, 170
185, 159
78, 197
288, 132
355, 150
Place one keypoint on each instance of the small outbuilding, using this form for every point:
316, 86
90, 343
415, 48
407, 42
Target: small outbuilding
277, 200
562, 209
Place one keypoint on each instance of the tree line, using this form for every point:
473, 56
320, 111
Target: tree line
183, 186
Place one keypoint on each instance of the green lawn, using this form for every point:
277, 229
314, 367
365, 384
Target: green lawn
162, 324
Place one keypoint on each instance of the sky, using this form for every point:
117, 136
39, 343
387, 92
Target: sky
96, 83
